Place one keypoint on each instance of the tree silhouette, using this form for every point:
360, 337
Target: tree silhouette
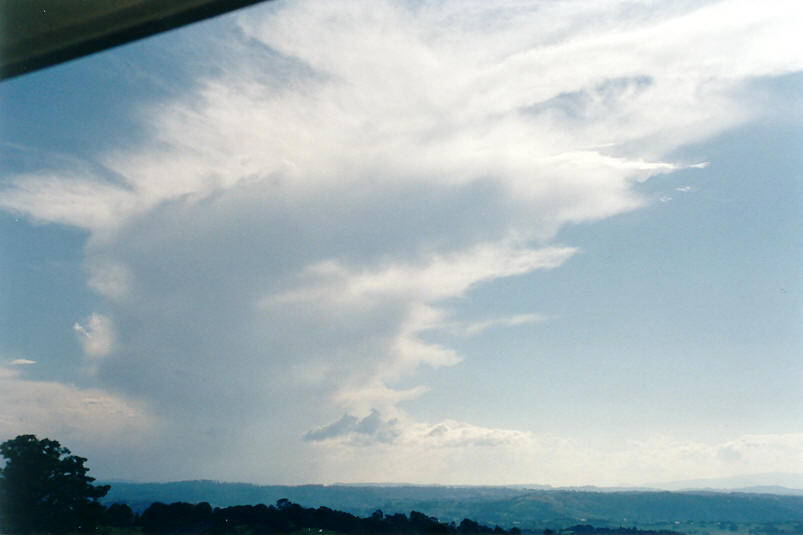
119, 515
43, 488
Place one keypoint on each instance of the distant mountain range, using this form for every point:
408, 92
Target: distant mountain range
506, 506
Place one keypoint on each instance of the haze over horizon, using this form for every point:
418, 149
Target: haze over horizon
435, 242
773, 480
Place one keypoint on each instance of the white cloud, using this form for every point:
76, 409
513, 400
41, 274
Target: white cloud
416, 289
97, 337
22, 362
435, 278
452, 275
87, 417
450, 452
458, 101
71, 200
300, 218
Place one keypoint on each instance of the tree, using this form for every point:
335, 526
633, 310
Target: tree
45, 488
120, 515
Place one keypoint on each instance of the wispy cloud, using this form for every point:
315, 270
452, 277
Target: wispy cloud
434, 278
511, 321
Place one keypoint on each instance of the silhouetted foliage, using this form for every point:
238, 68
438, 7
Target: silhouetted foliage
288, 517
119, 515
177, 517
45, 488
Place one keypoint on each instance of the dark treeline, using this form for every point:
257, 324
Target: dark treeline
288, 517
284, 517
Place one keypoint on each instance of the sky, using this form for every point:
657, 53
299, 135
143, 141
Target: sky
452, 242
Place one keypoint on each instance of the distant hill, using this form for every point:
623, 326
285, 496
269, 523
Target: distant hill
507, 507
789, 483
359, 500
769, 489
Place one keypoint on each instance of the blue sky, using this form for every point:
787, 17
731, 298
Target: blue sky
445, 242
